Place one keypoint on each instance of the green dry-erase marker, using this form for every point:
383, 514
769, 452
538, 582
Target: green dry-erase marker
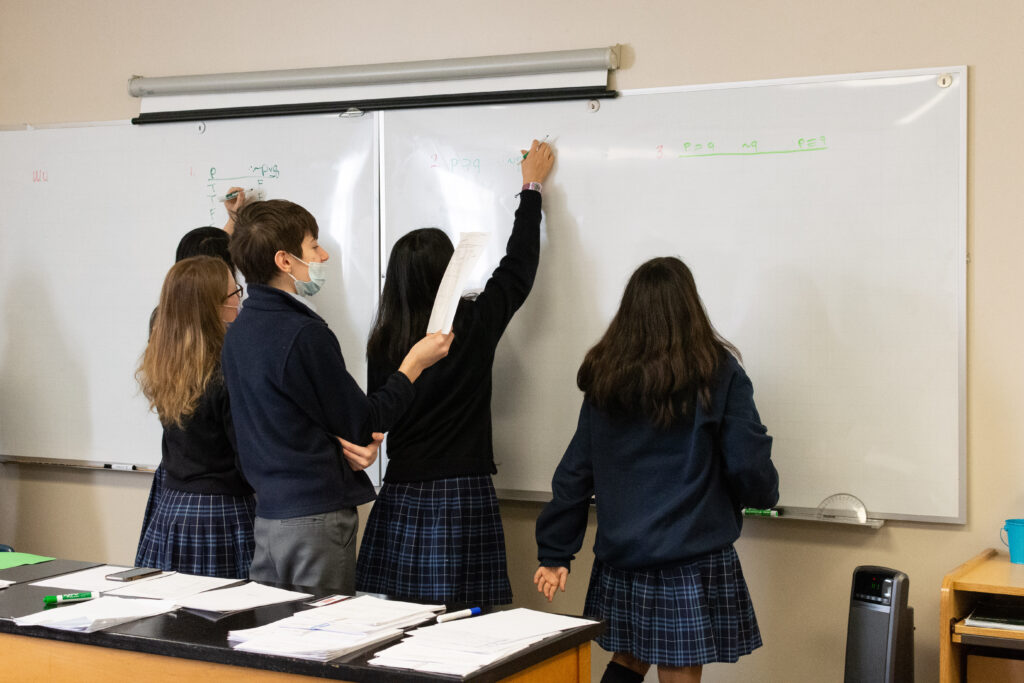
69, 597
761, 512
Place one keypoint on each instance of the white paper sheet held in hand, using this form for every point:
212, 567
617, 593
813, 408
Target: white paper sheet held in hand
456, 275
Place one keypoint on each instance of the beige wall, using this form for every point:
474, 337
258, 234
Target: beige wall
64, 62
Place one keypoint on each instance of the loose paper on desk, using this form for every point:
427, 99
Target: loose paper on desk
8, 560
248, 596
172, 587
5, 584
463, 646
456, 275
93, 579
327, 632
94, 615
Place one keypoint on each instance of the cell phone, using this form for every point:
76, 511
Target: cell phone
133, 574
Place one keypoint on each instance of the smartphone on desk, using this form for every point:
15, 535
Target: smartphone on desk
133, 574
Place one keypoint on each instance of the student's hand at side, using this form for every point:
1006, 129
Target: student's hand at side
361, 457
538, 162
233, 206
425, 353
548, 579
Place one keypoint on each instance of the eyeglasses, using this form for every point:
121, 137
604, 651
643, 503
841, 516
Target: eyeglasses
237, 292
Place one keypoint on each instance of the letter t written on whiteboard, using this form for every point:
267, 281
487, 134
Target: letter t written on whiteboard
456, 275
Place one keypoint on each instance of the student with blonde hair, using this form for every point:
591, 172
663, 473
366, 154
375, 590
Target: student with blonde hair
202, 522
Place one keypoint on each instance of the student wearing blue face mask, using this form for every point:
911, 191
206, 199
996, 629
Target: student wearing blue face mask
300, 417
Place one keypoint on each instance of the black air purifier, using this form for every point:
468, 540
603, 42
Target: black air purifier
880, 634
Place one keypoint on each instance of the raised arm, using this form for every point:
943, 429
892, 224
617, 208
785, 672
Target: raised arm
509, 285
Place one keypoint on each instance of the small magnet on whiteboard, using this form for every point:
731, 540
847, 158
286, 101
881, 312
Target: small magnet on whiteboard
593, 105
201, 127
945, 80
351, 113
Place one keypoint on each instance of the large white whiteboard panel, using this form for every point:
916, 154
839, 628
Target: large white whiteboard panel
824, 222
89, 221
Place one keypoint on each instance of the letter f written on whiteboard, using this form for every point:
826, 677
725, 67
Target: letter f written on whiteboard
456, 275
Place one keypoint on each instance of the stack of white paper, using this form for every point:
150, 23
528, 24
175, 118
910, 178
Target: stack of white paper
463, 646
5, 584
247, 596
327, 632
94, 615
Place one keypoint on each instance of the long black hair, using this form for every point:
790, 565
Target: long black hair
660, 351
417, 264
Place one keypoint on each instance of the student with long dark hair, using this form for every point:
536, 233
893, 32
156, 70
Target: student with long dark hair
435, 531
671, 447
202, 520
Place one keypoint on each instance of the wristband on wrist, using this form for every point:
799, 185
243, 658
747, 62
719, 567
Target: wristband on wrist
532, 186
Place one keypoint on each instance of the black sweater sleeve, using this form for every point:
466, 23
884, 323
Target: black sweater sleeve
508, 286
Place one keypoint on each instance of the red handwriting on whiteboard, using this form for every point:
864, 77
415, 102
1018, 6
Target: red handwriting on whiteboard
40, 176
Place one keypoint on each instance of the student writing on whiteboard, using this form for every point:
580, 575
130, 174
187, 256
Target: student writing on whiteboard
293, 401
202, 241
671, 446
435, 531
202, 519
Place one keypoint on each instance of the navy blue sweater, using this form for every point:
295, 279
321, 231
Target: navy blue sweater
290, 396
663, 496
447, 430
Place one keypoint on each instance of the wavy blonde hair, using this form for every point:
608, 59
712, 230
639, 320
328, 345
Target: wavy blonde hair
183, 353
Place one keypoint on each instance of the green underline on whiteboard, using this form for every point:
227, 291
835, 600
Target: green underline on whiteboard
753, 154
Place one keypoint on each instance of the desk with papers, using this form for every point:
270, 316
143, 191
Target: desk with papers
184, 644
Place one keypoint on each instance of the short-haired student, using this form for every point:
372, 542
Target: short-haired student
294, 403
435, 532
202, 520
671, 447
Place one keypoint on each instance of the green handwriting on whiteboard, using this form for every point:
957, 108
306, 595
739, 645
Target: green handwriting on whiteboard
749, 148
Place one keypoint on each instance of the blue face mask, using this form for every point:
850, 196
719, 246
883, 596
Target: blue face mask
317, 277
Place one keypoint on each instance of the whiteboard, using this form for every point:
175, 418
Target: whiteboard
824, 220
89, 221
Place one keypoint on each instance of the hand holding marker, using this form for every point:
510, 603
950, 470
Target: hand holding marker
527, 153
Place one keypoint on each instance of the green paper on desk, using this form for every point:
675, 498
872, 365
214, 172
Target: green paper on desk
8, 560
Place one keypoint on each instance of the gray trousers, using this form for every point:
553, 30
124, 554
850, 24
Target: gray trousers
317, 550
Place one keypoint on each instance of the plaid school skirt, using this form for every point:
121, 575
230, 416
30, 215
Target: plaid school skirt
206, 534
154, 495
437, 541
690, 615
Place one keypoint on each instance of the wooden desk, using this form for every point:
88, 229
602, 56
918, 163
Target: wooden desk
181, 646
987, 574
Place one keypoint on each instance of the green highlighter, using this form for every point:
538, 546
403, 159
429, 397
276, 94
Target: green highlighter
69, 597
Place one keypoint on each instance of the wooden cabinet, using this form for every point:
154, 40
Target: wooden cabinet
979, 654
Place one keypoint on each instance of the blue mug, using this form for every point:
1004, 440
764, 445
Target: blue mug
1014, 540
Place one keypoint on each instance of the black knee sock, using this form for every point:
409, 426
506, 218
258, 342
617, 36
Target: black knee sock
616, 673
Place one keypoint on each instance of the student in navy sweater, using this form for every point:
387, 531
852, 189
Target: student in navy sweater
295, 406
435, 532
671, 446
202, 520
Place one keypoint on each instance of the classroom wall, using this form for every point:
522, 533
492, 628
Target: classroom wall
63, 62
